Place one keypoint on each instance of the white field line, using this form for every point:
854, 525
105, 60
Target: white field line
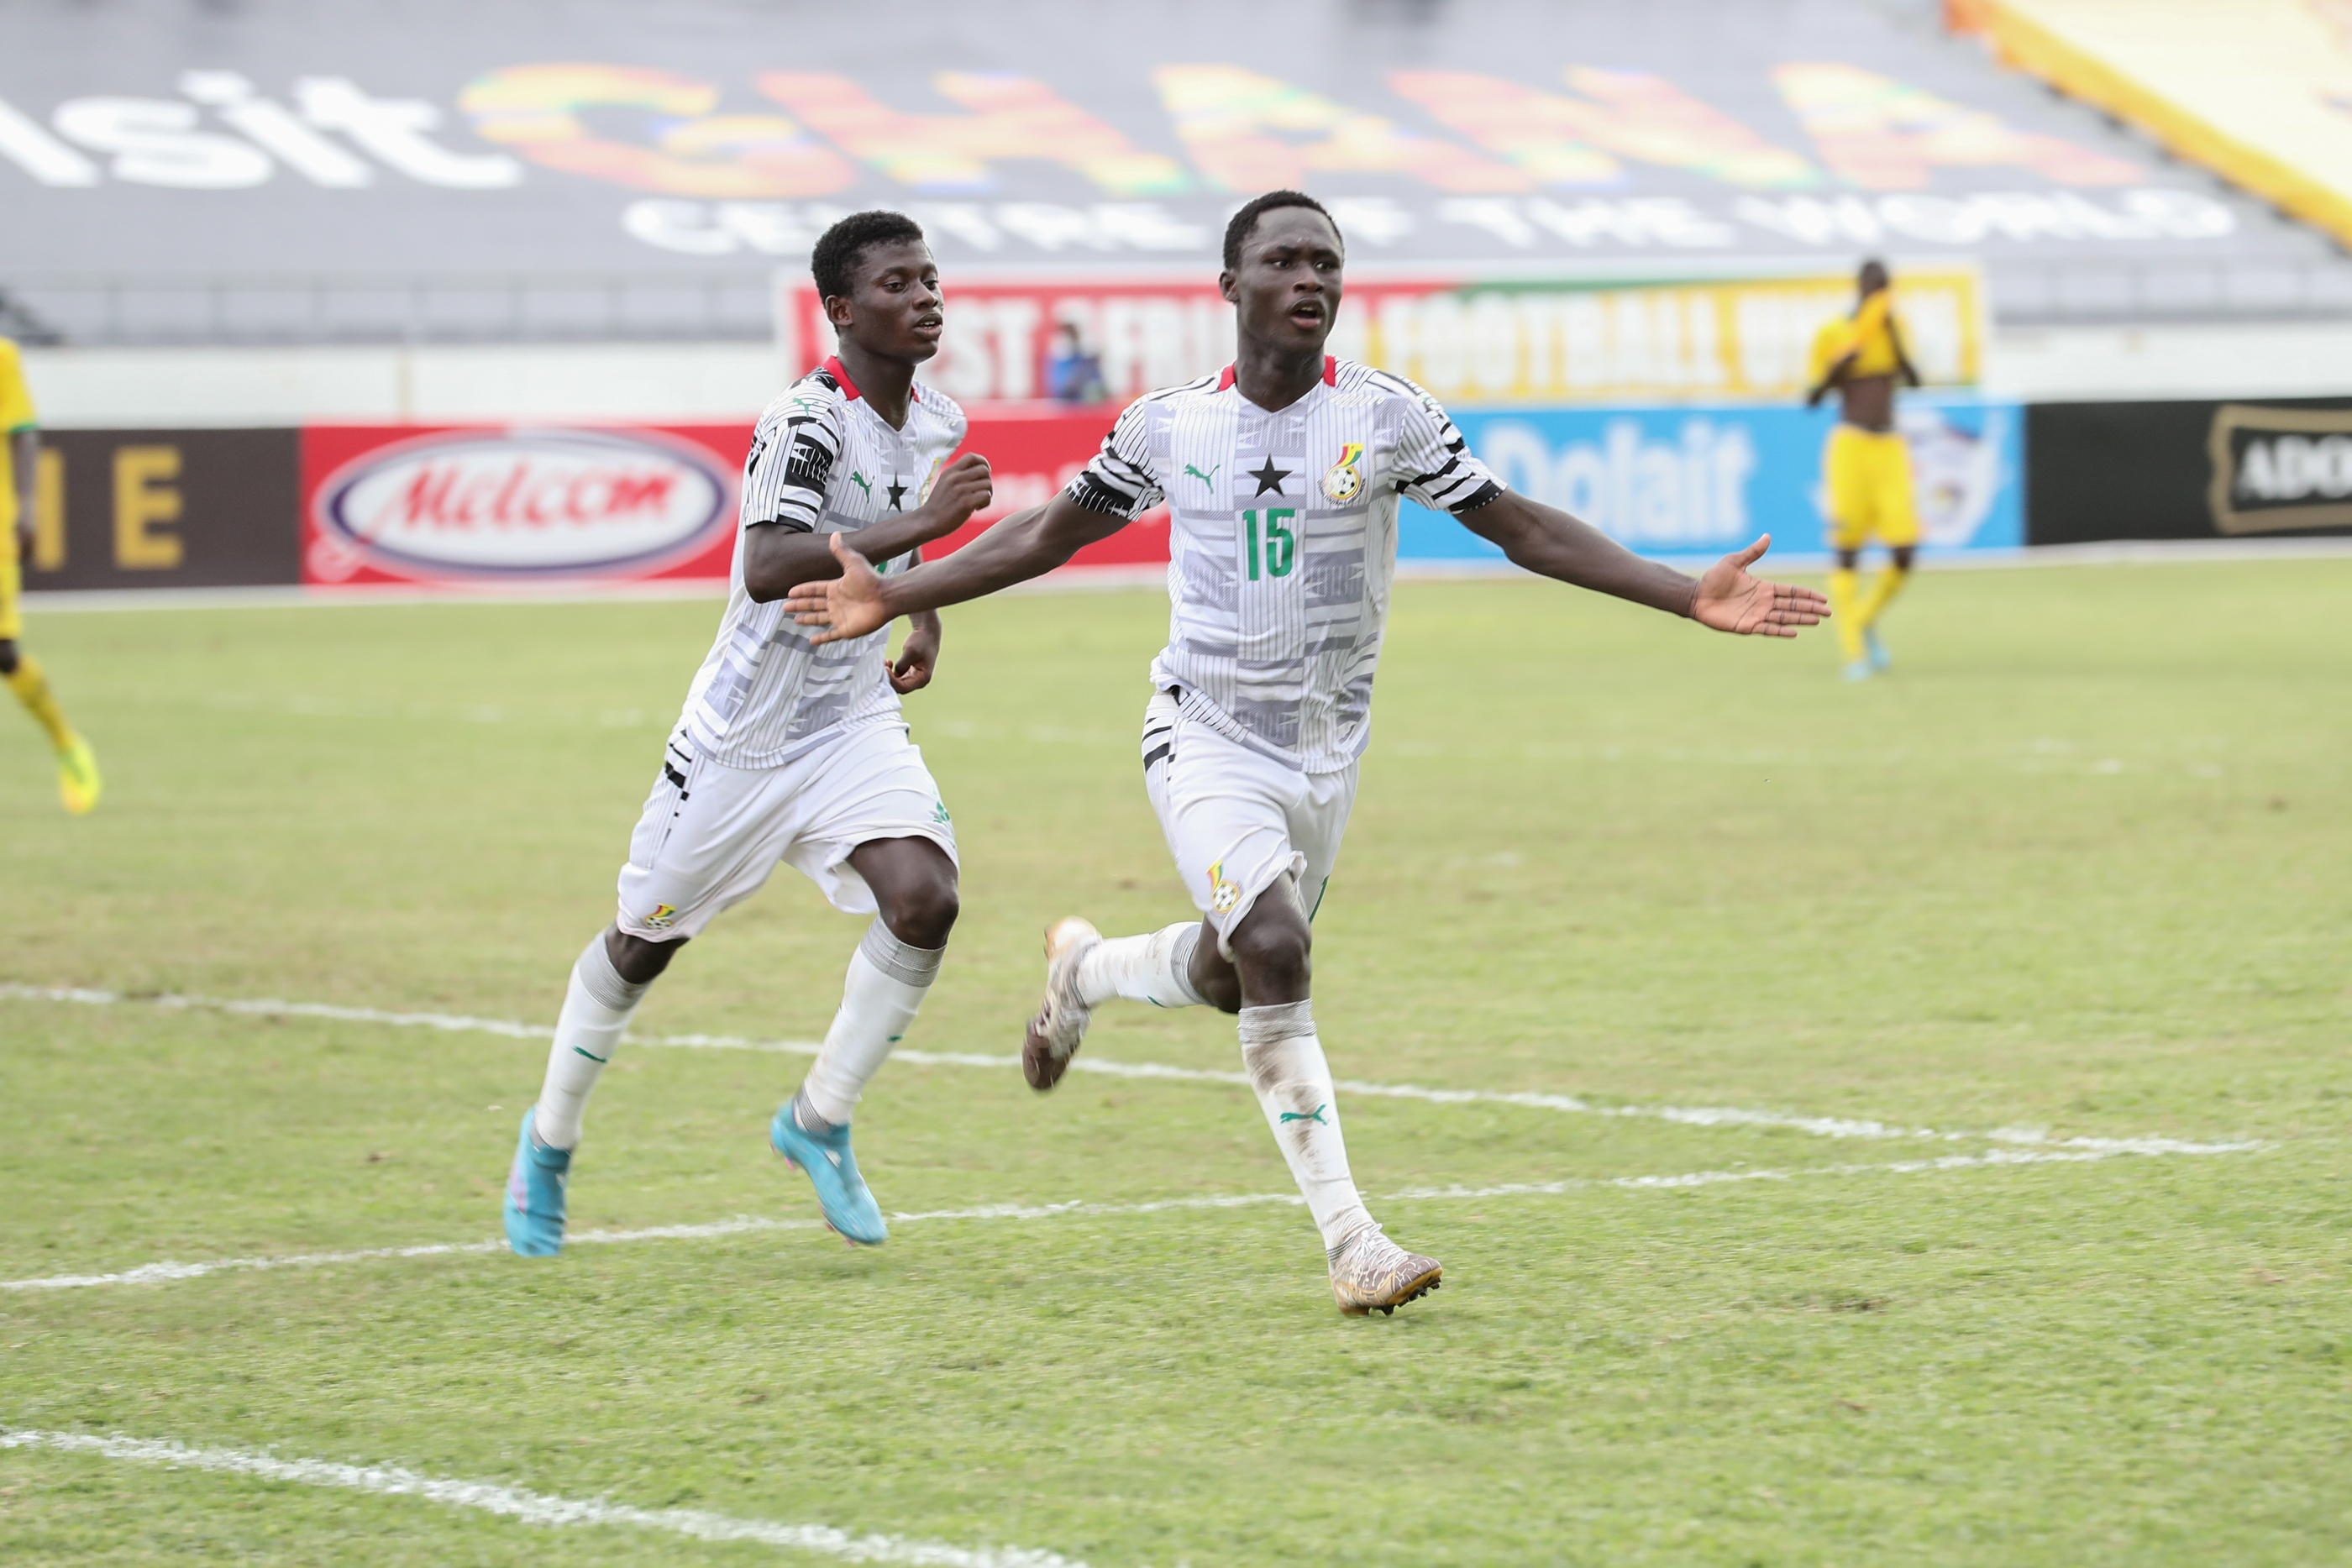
160, 1273
1686, 1115
538, 1507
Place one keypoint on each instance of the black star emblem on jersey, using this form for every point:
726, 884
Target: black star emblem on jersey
898, 496
1269, 478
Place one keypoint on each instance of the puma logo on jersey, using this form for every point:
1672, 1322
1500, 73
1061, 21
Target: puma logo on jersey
1209, 478
863, 482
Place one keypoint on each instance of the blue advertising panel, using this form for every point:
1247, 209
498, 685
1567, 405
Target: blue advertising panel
1697, 480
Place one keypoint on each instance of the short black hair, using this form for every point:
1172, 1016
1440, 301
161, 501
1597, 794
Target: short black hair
1252, 210
833, 262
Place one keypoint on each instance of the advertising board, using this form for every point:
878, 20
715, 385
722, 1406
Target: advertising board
490, 505
164, 508
500, 505
1701, 480
510, 504
2188, 470
1523, 340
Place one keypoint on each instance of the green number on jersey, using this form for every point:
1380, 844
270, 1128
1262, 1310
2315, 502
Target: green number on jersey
1281, 548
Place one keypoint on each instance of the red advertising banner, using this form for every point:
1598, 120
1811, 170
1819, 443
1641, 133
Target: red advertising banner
489, 505
1032, 455
1523, 339
485, 506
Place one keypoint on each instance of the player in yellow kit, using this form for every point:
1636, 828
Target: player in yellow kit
20, 451
1864, 466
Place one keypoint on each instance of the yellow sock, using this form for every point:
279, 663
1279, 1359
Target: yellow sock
1882, 593
32, 689
1846, 612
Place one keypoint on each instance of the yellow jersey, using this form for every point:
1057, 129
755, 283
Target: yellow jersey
16, 415
1868, 335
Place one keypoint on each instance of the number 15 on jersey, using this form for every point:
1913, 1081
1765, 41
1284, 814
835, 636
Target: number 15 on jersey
1278, 551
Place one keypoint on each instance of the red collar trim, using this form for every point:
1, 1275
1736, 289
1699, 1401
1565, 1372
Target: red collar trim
833, 368
1226, 380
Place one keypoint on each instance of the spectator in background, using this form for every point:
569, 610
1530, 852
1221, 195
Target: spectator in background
1073, 375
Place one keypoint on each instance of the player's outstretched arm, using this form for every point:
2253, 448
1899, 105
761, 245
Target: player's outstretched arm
1024, 545
1549, 542
776, 556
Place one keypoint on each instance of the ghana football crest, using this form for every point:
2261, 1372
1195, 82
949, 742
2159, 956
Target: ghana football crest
1346, 477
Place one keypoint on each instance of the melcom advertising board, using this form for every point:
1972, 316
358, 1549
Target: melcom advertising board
487, 506
496, 506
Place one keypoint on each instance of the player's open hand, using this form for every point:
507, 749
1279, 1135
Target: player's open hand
964, 486
1730, 600
918, 657
848, 606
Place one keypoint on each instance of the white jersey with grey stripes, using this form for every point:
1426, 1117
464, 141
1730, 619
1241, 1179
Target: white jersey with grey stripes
1282, 543
822, 461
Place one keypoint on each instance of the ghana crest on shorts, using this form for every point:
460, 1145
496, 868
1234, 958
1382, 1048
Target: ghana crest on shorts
822, 461
1282, 543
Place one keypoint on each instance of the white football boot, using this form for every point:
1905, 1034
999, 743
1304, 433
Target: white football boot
1061, 1024
1371, 1273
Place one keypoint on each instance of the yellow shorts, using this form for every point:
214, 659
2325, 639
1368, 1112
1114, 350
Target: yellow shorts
1868, 475
12, 620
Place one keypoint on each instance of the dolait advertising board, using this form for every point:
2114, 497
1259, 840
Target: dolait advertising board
1701, 480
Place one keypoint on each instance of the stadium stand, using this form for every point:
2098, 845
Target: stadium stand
454, 174
2259, 92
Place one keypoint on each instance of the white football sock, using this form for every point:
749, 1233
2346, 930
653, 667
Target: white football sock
1293, 1082
888, 980
596, 1008
1156, 967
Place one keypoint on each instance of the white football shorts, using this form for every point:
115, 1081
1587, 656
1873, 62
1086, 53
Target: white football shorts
1235, 819
710, 833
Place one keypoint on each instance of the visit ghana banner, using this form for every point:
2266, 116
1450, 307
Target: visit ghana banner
1501, 340
295, 139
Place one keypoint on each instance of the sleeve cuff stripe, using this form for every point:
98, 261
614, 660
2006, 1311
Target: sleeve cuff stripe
1484, 494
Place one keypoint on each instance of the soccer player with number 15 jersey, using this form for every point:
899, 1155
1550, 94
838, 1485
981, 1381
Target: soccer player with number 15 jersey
1282, 475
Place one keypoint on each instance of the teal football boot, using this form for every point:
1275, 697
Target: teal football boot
1879, 657
832, 1169
534, 1204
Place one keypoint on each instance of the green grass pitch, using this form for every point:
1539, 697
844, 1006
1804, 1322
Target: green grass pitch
2082, 865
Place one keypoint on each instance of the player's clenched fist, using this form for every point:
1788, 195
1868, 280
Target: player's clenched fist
963, 487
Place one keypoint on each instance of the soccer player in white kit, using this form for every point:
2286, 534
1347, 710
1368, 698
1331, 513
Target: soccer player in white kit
1282, 475
791, 751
